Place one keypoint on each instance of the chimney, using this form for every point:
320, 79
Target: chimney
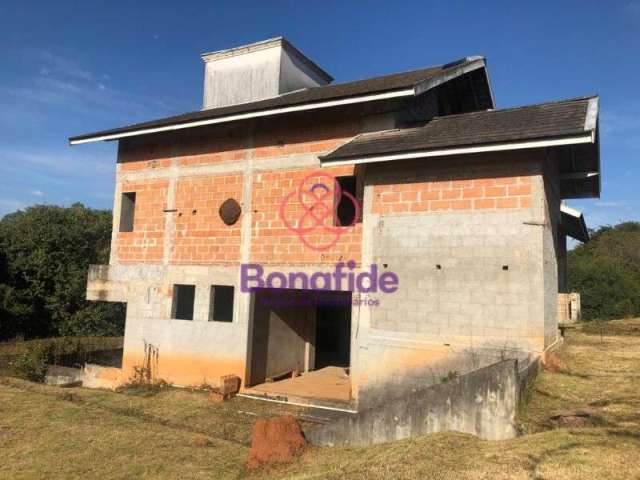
258, 71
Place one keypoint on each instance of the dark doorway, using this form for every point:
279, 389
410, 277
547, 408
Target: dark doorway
333, 331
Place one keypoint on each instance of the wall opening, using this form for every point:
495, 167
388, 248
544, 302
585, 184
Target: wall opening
183, 300
333, 335
221, 303
127, 211
346, 211
300, 343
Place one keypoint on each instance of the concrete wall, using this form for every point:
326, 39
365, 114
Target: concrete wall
254, 73
98, 376
553, 251
189, 352
483, 403
241, 79
281, 336
294, 74
465, 236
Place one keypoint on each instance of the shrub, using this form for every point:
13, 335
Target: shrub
32, 365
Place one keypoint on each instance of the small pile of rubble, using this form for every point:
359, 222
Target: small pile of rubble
276, 440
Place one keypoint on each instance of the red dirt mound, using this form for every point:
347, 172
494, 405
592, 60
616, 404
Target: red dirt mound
553, 364
276, 440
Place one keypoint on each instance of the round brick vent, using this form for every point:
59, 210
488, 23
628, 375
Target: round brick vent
230, 211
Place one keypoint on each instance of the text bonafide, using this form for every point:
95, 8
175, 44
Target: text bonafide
252, 276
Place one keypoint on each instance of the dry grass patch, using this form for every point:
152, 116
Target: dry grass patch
582, 420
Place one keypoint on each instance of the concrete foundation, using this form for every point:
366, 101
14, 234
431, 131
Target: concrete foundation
63, 376
482, 403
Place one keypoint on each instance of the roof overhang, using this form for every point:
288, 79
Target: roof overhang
449, 72
572, 143
572, 224
458, 69
580, 165
407, 92
497, 147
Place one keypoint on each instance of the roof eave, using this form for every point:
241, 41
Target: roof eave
406, 92
471, 63
571, 215
461, 150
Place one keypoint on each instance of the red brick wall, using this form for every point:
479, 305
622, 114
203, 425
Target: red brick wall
229, 145
201, 237
273, 243
145, 243
438, 195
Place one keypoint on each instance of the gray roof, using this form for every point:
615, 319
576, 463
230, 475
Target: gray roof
553, 120
386, 83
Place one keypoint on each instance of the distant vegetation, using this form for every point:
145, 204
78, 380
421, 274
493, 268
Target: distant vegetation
45, 252
606, 272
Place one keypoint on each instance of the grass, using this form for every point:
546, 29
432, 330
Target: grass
48, 432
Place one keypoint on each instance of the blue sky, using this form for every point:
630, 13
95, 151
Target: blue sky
68, 68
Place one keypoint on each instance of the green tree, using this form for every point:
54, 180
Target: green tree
45, 252
606, 272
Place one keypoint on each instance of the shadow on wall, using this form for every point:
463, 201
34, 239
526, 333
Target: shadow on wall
402, 376
483, 403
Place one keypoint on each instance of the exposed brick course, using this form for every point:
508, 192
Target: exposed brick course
200, 234
442, 195
272, 242
145, 243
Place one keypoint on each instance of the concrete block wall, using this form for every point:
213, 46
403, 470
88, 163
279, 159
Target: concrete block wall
466, 237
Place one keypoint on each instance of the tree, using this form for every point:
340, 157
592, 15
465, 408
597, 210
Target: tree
45, 252
606, 272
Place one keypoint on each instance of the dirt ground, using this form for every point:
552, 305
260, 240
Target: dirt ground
581, 420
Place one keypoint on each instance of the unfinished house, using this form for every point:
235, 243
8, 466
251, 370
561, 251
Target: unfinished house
453, 207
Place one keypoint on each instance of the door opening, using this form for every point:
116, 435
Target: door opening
301, 343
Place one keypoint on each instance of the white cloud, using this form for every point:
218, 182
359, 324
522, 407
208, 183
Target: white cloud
37, 193
66, 85
64, 66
